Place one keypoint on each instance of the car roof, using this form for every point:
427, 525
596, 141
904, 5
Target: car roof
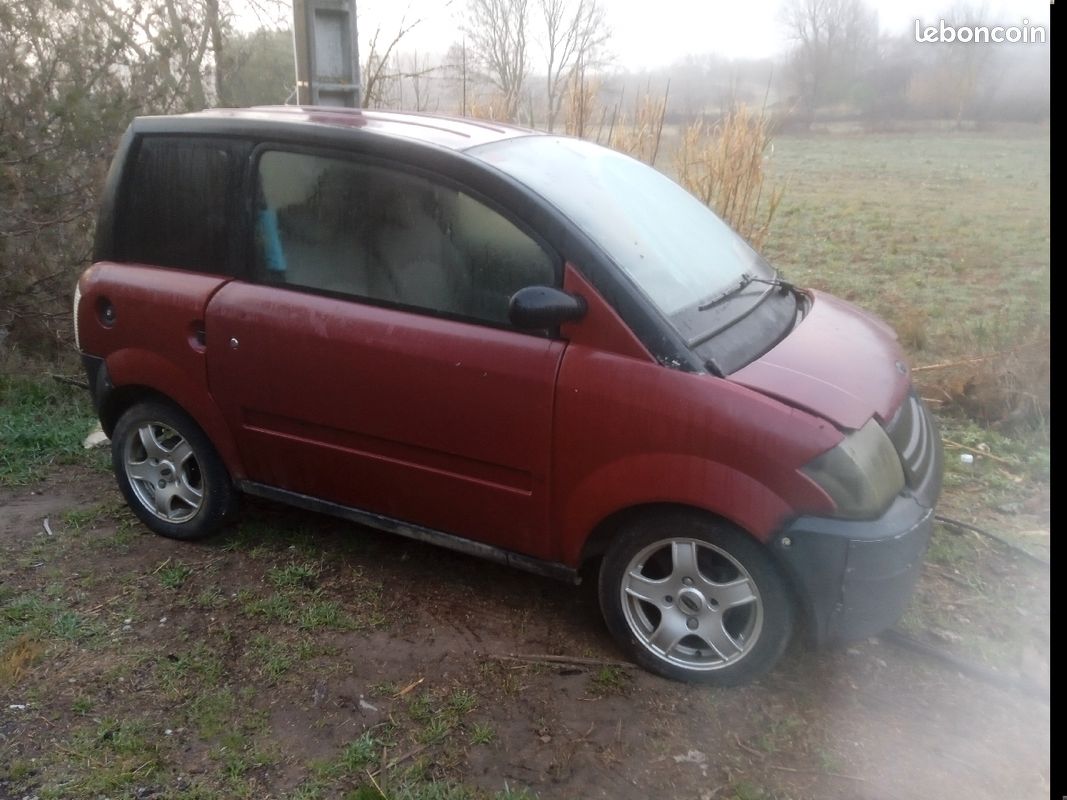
455, 133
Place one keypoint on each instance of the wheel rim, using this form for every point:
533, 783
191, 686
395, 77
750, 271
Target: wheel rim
692, 604
164, 472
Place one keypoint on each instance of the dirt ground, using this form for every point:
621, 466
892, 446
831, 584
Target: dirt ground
297, 655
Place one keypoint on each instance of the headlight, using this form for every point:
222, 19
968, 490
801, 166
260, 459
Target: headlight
862, 474
77, 302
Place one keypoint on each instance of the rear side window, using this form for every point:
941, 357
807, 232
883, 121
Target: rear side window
369, 231
179, 205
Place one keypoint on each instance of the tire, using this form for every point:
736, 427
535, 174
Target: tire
695, 599
169, 472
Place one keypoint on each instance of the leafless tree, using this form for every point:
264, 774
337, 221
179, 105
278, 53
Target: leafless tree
574, 34
497, 32
830, 37
376, 76
951, 82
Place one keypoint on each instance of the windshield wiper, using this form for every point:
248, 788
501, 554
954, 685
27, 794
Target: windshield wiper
745, 280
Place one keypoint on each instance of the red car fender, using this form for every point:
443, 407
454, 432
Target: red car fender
629, 432
610, 489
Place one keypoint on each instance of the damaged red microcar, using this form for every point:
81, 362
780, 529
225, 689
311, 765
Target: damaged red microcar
518, 345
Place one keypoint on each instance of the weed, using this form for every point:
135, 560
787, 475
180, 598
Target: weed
462, 701
744, 790
16, 657
108, 758
199, 667
210, 598
86, 518
421, 708
436, 729
40, 619
609, 680
326, 614
272, 658
294, 576
212, 711
482, 733
174, 576
360, 754
276, 607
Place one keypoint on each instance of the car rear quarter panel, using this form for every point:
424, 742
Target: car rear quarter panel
154, 341
629, 432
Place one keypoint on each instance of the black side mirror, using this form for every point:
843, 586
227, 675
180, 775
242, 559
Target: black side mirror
539, 307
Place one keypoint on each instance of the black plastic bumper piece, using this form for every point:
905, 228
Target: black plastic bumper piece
98, 378
856, 577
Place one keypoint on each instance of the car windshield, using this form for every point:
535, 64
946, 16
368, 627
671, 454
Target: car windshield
679, 252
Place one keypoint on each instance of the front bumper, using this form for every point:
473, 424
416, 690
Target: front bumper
856, 577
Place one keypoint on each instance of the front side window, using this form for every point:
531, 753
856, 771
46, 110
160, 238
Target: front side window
178, 209
373, 232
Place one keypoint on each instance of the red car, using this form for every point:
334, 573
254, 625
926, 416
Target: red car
521, 346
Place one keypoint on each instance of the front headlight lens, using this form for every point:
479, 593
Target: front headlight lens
862, 474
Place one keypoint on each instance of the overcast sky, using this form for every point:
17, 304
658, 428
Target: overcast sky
649, 33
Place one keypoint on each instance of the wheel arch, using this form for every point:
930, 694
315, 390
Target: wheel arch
132, 376
604, 533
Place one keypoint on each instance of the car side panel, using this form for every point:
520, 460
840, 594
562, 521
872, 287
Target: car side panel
629, 432
434, 421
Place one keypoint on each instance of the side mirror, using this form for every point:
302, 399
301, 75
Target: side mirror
539, 307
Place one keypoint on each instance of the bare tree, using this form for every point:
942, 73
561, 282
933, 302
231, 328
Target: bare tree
952, 81
375, 75
830, 37
496, 39
72, 75
574, 32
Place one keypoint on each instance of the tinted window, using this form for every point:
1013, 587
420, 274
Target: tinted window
179, 205
373, 232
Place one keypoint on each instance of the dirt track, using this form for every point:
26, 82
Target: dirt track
406, 627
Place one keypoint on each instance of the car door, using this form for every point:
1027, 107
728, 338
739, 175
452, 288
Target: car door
370, 363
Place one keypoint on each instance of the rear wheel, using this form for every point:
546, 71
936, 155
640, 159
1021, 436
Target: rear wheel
169, 472
695, 599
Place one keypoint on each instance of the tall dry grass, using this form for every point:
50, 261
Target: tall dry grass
639, 133
723, 165
581, 105
1008, 389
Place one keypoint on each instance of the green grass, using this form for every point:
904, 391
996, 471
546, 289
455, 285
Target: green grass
952, 227
326, 614
294, 576
174, 576
87, 518
482, 733
609, 681
30, 615
107, 758
41, 423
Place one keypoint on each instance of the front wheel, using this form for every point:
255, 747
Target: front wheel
169, 473
695, 599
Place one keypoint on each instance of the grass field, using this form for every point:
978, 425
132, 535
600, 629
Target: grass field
299, 657
946, 236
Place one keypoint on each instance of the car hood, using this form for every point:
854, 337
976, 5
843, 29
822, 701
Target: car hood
840, 363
